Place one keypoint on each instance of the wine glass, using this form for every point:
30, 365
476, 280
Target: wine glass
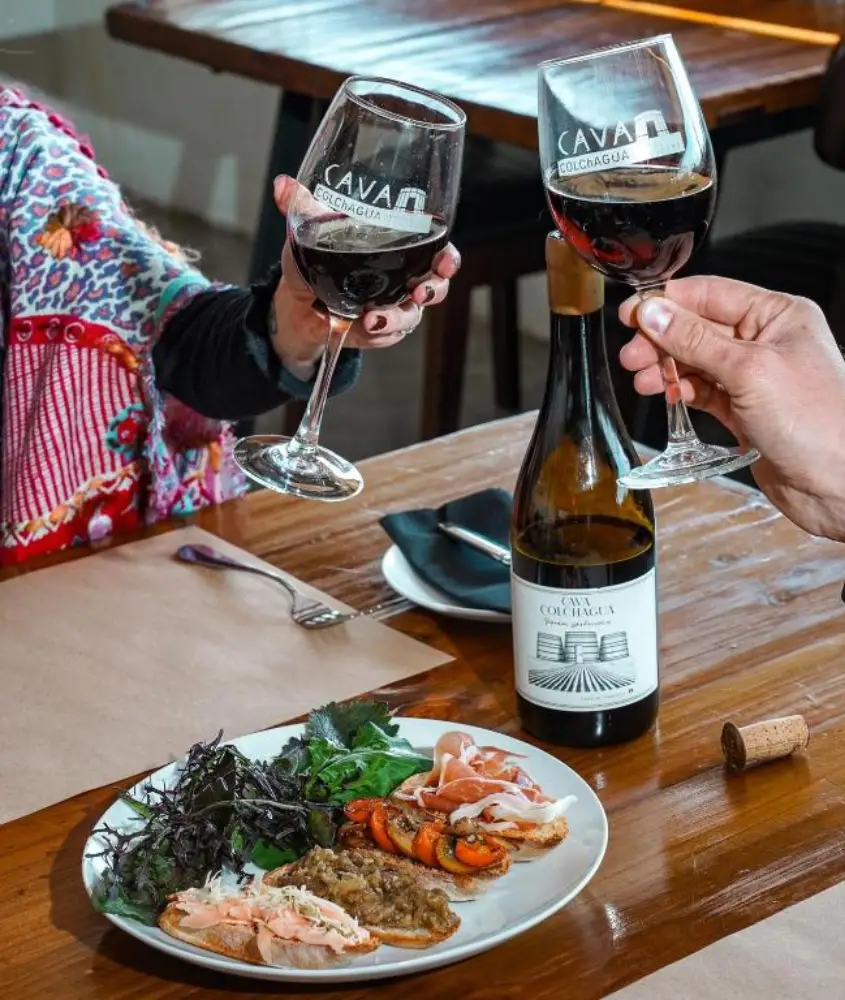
630, 180
377, 199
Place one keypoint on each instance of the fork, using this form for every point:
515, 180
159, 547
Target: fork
305, 611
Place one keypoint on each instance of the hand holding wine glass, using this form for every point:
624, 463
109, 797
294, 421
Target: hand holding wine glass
768, 367
630, 179
375, 201
300, 330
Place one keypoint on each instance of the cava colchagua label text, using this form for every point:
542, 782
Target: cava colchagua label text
373, 202
586, 150
585, 650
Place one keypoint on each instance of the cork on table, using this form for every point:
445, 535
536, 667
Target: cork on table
759, 742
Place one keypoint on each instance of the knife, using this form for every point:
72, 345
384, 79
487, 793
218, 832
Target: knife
501, 553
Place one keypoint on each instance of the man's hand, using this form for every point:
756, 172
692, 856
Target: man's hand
768, 367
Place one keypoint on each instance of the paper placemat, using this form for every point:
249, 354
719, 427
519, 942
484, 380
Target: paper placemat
794, 955
119, 662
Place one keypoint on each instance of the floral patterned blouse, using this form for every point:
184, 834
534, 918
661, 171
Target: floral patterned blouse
90, 444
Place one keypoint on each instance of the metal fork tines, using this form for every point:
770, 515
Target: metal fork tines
322, 616
304, 610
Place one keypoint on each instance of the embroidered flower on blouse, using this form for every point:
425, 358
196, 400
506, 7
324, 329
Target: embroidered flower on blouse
68, 228
126, 429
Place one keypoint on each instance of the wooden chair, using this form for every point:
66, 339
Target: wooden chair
500, 229
801, 258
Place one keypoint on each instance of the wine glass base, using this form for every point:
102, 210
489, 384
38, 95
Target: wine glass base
316, 475
681, 464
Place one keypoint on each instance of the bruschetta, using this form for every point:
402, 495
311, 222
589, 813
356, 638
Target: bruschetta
389, 900
266, 925
483, 790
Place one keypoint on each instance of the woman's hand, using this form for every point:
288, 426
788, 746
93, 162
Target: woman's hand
300, 334
767, 366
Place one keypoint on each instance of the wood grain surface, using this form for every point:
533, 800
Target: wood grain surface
751, 627
744, 56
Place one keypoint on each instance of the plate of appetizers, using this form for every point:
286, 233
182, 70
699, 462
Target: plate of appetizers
356, 846
400, 575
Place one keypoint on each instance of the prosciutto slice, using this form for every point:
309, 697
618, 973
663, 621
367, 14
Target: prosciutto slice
469, 780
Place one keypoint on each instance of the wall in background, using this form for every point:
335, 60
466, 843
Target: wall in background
181, 136
170, 131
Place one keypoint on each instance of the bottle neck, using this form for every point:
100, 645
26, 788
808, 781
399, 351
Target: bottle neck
578, 386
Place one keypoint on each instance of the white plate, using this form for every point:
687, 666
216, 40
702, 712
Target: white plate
399, 573
528, 894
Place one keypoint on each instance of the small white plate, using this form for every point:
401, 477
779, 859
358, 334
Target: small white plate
527, 895
399, 573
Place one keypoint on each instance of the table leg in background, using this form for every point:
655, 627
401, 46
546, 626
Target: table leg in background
296, 122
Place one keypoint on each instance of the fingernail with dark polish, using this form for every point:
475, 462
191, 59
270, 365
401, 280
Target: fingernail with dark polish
379, 323
429, 295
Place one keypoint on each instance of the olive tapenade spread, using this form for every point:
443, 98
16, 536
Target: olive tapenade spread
376, 889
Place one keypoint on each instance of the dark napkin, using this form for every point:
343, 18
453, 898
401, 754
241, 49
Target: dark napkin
469, 577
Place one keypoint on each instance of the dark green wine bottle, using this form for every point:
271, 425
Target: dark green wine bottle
583, 578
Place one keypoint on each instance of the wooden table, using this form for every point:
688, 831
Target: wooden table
755, 64
752, 627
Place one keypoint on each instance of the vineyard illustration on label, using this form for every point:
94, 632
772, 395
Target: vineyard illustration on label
583, 662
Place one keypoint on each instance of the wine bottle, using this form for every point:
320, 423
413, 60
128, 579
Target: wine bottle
583, 576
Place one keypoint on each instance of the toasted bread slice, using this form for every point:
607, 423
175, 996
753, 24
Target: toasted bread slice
543, 835
401, 937
459, 888
370, 881
404, 820
264, 925
540, 836
240, 941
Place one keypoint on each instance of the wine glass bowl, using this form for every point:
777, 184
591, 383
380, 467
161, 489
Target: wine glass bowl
376, 199
353, 267
646, 232
630, 181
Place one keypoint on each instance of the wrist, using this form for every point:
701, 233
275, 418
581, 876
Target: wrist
836, 522
299, 355
831, 490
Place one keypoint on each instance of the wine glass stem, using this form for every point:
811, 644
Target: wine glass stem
681, 431
307, 436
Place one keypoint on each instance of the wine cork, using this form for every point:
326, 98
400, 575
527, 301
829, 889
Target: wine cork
762, 741
575, 288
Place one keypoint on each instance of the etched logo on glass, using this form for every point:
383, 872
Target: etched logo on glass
372, 201
587, 150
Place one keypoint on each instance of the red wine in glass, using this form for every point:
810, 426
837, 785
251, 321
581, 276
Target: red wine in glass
631, 179
375, 198
350, 266
639, 227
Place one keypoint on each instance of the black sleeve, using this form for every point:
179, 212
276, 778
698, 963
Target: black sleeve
215, 356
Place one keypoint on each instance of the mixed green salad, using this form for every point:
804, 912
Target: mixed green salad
226, 810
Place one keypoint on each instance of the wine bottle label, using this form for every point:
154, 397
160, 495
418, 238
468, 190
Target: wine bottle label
585, 650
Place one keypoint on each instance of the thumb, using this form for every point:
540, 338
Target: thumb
688, 338
291, 196
284, 191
